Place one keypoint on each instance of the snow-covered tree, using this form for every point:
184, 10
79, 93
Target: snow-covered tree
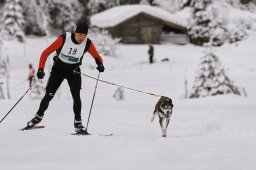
97, 6
169, 5
119, 94
236, 33
247, 1
145, 2
38, 90
235, 3
207, 25
211, 78
4, 75
36, 17
105, 43
64, 14
2, 3
12, 20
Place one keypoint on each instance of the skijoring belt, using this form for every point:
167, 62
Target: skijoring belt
69, 58
64, 66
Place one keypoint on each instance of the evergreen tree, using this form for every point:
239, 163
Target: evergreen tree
38, 90
247, 1
169, 5
2, 3
4, 75
235, 3
97, 6
64, 14
119, 94
207, 27
12, 21
105, 43
211, 79
1, 74
36, 17
125, 2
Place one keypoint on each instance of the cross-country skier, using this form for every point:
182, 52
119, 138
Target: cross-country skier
70, 49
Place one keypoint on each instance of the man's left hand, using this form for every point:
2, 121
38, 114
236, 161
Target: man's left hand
100, 68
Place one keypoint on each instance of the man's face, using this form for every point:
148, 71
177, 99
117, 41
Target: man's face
80, 37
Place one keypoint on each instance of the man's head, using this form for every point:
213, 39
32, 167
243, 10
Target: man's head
30, 65
81, 32
82, 27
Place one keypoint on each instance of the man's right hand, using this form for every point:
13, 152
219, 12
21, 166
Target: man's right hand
40, 73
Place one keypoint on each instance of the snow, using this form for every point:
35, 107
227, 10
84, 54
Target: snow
116, 15
236, 17
207, 133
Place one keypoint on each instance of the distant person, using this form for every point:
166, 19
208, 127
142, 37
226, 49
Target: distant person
31, 74
151, 54
70, 49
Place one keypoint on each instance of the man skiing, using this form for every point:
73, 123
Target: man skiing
70, 49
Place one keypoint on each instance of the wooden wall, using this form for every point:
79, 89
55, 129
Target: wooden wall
142, 29
138, 30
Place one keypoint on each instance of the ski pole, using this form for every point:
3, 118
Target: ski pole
18, 100
92, 101
153, 94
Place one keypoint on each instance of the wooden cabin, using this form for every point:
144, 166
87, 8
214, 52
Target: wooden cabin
138, 24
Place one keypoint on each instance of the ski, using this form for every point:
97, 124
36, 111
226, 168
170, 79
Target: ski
88, 134
106, 135
81, 133
32, 128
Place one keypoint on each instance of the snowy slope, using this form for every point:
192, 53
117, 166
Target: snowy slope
210, 133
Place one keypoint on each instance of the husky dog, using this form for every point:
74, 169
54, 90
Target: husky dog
163, 109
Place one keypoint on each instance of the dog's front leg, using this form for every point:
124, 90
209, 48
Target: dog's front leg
165, 128
154, 115
161, 122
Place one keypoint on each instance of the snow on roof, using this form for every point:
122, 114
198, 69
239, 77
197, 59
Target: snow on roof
116, 15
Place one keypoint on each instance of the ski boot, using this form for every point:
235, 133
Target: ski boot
79, 128
33, 122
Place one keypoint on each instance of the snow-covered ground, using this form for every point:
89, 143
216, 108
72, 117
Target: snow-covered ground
213, 133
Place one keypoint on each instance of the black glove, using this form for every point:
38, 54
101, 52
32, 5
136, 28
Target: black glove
100, 68
40, 73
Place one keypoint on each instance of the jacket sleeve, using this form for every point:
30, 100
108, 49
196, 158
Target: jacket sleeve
92, 50
53, 47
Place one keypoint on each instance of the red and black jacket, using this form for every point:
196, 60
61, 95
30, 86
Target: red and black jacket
58, 44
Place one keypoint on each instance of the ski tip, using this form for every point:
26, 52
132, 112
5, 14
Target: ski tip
110, 134
32, 128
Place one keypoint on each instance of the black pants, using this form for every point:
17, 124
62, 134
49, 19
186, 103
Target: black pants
151, 60
58, 74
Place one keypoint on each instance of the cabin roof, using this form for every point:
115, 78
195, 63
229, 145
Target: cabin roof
119, 14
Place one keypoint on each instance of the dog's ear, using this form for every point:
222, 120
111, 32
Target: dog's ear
170, 102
